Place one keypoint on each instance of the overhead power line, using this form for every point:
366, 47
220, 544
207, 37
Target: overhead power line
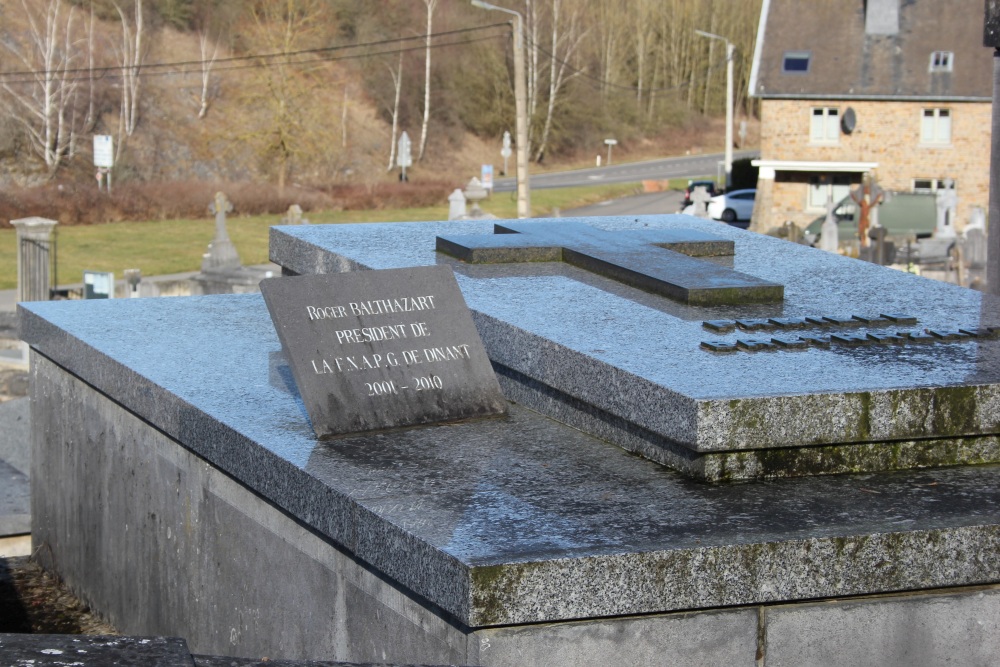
253, 59
632, 89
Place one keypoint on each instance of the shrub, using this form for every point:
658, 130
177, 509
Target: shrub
74, 204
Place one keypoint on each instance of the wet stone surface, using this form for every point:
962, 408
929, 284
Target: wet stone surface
629, 257
594, 352
93, 651
516, 519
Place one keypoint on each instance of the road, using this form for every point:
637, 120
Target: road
675, 167
646, 204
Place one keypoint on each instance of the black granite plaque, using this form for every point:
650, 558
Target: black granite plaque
719, 326
719, 346
790, 343
917, 337
947, 334
373, 350
899, 318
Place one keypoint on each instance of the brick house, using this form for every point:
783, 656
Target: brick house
899, 88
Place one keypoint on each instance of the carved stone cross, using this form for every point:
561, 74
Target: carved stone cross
219, 206
221, 255
659, 261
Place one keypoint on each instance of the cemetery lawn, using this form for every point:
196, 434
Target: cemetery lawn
175, 246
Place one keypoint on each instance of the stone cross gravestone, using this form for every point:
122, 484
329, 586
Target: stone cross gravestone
294, 216
946, 202
373, 350
672, 270
221, 255
700, 199
456, 205
830, 232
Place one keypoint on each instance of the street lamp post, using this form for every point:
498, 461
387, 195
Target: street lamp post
520, 108
729, 103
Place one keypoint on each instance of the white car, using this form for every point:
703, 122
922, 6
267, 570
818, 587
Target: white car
732, 206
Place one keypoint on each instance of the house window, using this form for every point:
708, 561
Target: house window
935, 126
824, 126
795, 62
823, 188
941, 61
928, 186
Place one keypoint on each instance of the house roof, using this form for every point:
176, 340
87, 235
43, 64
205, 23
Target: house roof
871, 49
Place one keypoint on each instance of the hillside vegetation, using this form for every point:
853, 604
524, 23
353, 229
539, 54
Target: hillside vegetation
305, 98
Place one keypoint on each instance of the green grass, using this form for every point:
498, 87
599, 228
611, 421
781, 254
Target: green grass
176, 246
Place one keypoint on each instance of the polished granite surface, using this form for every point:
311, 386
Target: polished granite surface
844, 359
515, 519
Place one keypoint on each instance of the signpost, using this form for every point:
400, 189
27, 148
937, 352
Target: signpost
505, 151
403, 156
487, 177
98, 285
104, 157
610, 143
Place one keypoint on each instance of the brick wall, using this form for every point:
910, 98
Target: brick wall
887, 133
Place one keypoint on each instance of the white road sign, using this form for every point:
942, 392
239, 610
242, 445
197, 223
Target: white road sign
104, 153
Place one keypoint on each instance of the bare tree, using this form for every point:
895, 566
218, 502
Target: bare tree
130, 58
431, 6
207, 62
565, 40
41, 101
397, 84
91, 119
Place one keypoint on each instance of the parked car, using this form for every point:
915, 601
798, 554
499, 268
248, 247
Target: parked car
733, 207
709, 186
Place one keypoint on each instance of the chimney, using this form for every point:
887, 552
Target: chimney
882, 17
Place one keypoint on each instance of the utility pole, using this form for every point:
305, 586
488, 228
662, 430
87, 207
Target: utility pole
991, 39
730, 50
520, 108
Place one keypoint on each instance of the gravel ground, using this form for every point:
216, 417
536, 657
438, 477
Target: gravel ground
33, 601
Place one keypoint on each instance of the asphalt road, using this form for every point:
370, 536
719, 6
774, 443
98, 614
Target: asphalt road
654, 203
675, 167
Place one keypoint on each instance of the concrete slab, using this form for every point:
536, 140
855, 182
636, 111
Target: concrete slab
15, 547
15, 434
923, 630
15, 502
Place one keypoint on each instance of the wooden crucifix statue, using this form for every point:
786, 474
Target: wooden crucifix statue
867, 196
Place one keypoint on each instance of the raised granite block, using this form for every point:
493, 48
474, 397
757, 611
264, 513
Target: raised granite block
643, 370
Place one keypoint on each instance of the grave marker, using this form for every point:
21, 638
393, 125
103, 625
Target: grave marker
700, 199
221, 255
374, 350
672, 271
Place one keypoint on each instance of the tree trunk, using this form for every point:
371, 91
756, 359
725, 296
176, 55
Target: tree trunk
397, 82
431, 4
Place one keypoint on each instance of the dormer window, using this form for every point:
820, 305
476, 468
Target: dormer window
941, 61
796, 62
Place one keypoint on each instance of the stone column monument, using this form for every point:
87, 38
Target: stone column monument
34, 241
